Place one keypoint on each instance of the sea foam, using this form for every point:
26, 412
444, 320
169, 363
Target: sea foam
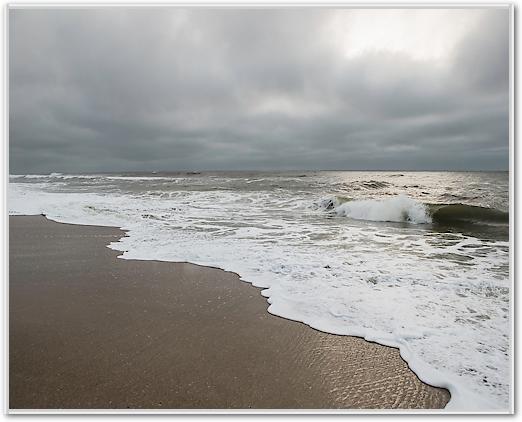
441, 299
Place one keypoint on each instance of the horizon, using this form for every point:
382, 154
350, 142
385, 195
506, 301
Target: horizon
201, 171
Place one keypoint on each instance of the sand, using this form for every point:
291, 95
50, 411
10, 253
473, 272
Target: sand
88, 330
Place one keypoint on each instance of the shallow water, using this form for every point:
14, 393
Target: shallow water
415, 260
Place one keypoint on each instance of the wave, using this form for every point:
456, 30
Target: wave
53, 176
374, 184
361, 185
87, 176
35, 176
140, 178
396, 209
463, 213
402, 208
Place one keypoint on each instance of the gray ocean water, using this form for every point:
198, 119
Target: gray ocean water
416, 260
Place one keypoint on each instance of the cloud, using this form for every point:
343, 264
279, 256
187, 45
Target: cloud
113, 89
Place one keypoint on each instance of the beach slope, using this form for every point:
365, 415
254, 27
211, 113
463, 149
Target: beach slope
88, 330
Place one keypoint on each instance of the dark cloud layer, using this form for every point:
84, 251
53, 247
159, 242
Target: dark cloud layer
223, 89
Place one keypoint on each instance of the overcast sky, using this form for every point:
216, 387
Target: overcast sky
228, 89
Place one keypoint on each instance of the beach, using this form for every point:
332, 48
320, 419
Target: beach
88, 330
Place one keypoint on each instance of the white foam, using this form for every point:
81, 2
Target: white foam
77, 176
36, 176
399, 209
449, 317
138, 178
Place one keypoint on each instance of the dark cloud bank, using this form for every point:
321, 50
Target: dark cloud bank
172, 89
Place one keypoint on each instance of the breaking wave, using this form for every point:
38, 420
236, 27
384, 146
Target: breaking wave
397, 209
402, 208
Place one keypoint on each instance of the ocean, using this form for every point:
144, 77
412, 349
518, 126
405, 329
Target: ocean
413, 260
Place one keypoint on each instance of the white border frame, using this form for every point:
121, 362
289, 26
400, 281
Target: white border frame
253, 5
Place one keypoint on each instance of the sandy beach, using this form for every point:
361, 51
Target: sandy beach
88, 330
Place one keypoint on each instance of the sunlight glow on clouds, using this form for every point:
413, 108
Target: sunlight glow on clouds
426, 34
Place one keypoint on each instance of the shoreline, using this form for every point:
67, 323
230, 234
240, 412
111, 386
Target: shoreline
380, 378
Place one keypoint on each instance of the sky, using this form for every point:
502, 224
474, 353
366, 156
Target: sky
171, 89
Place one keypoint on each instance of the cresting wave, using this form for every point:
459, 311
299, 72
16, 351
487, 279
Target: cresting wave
396, 209
404, 209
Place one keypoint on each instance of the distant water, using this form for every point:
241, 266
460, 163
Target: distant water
415, 260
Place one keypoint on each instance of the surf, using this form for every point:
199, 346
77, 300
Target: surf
410, 283
403, 209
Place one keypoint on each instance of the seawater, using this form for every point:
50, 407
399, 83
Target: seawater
413, 260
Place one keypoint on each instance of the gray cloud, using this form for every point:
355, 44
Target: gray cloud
190, 89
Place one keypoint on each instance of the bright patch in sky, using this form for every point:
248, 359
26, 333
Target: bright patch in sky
421, 34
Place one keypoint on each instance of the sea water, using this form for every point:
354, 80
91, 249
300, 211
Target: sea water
413, 260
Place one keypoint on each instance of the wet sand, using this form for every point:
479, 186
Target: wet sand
88, 330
